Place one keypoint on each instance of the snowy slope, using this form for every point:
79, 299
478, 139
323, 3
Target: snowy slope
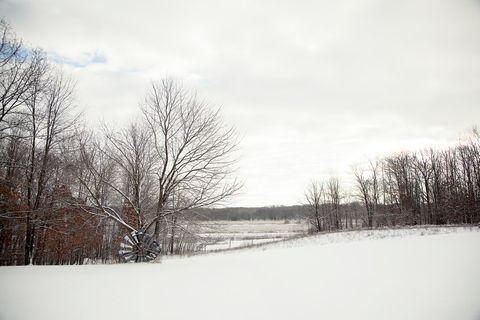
401, 274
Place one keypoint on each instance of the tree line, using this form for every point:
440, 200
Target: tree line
432, 187
69, 194
254, 213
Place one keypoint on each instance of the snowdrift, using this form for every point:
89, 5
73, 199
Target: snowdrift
399, 274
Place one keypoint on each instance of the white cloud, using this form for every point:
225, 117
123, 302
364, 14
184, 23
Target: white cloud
314, 86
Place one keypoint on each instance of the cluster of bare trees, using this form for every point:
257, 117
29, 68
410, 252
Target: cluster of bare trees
428, 187
325, 212
409, 188
68, 194
36, 119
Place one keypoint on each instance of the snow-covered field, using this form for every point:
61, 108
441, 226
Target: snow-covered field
222, 235
390, 274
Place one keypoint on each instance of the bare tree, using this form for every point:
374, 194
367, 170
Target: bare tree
131, 149
50, 119
424, 169
20, 70
10, 46
314, 197
194, 150
98, 183
177, 159
334, 196
368, 188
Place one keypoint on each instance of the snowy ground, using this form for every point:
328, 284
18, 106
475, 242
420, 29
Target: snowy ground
222, 235
399, 274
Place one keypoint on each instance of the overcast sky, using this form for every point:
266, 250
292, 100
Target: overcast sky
313, 87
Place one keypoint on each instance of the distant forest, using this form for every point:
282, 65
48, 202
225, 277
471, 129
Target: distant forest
255, 213
297, 212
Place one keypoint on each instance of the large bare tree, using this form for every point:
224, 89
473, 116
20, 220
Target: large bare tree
194, 150
178, 157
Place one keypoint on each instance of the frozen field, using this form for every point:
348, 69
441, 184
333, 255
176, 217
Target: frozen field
234, 234
399, 274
